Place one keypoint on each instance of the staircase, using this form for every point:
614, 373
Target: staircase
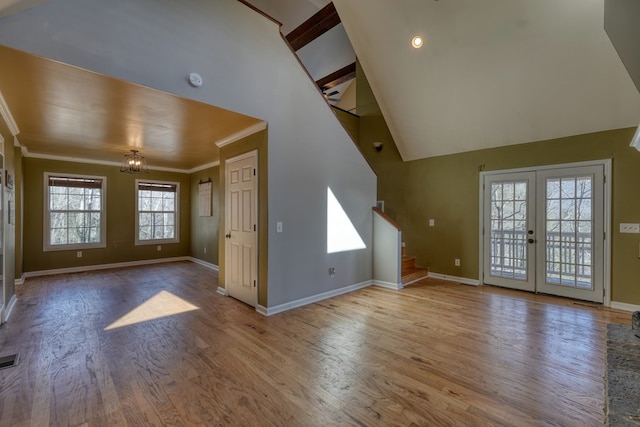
410, 272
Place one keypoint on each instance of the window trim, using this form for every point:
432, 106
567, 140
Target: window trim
46, 220
176, 238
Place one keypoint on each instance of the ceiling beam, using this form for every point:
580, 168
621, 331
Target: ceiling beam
314, 27
334, 79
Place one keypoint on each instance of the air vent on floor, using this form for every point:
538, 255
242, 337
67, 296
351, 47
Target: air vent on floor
9, 361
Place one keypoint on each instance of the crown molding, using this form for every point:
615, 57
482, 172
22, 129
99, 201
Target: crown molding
5, 112
205, 166
26, 153
262, 125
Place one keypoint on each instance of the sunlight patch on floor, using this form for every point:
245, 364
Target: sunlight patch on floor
162, 304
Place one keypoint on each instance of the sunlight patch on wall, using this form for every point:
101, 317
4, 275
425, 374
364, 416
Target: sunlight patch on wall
341, 234
162, 304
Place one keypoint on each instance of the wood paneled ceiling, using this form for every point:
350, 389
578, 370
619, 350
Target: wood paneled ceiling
66, 111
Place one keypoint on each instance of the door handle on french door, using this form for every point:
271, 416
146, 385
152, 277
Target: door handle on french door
531, 240
228, 235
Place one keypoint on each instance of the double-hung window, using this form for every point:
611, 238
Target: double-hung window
157, 216
75, 213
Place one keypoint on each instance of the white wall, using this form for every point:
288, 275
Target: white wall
387, 248
246, 68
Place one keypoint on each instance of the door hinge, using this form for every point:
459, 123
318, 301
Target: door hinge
254, 283
254, 227
254, 172
604, 235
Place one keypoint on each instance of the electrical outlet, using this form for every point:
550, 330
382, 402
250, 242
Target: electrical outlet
332, 271
629, 228
159, 248
456, 262
79, 254
432, 222
205, 249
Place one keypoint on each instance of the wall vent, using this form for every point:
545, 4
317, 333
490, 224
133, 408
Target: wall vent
9, 361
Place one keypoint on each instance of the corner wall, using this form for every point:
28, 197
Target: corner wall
246, 67
446, 189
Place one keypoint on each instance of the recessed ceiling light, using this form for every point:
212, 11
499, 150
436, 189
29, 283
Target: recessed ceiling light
417, 41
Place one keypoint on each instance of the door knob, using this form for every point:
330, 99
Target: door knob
228, 235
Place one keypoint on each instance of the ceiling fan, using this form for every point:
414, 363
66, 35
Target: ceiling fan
328, 96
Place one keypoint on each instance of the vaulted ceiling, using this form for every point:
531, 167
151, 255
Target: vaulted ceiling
490, 73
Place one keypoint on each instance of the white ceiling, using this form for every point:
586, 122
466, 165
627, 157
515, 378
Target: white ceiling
491, 73
328, 53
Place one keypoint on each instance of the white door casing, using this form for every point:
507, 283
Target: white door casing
241, 228
553, 240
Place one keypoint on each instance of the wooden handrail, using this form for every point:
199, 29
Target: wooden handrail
386, 217
250, 6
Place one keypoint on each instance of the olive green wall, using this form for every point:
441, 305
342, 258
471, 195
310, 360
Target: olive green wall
120, 217
8, 199
204, 229
18, 195
257, 141
447, 189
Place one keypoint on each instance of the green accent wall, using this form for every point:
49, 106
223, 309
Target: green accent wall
446, 189
121, 199
204, 229
18, 196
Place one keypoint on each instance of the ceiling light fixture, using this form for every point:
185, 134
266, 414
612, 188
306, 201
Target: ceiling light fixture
134, 163
417, 42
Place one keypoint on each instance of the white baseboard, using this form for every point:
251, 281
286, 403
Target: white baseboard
10, 307
19, 281
268, 311
262, 310
463, 280
222, 291
204, 264
388, 285
103, 266
624, 306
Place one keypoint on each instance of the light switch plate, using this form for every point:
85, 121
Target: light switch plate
279, 227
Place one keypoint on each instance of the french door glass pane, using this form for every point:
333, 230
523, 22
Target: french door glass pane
569, 232
509, 229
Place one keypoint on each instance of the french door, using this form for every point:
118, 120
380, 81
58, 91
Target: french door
543, 231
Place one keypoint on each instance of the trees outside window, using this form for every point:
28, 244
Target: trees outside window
74, 212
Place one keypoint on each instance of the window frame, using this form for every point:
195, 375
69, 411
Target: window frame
176, 224
46, 226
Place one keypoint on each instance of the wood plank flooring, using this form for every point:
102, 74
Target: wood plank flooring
432, 354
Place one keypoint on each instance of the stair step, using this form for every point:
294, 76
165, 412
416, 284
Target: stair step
414, 274
408, 262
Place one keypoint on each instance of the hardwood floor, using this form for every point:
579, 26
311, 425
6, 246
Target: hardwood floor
434, 353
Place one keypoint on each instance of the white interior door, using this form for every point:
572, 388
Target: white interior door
241, 247
543, 231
